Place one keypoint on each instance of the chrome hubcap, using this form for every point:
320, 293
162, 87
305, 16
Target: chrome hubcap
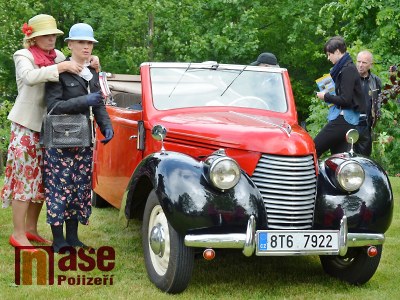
157, 240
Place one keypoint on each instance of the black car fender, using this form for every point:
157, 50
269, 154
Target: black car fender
188, 199
368, 209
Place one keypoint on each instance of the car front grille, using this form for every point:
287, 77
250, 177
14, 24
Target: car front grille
288, 187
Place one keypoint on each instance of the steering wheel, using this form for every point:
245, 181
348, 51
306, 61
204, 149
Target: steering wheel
250, 98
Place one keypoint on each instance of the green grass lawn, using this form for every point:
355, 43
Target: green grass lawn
229, 276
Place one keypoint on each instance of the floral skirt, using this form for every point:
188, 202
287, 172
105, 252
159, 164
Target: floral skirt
68, 184
23, 175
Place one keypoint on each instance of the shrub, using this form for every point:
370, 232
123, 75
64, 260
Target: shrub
5, 108
386, 146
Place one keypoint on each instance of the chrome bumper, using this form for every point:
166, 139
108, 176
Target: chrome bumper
247, 241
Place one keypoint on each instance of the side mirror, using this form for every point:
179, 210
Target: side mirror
352, 137
159, 133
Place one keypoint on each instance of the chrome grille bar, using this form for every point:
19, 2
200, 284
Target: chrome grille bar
288, 186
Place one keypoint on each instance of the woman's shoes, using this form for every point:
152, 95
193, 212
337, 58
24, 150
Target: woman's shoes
13, 242
37, 238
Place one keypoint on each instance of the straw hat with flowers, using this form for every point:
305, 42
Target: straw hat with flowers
40, 25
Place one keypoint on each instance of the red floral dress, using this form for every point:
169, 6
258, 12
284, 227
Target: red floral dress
23, 175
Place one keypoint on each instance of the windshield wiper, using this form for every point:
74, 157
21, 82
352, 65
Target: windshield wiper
179, 80
229, 85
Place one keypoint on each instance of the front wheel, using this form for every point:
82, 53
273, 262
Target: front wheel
356, 267
168, 261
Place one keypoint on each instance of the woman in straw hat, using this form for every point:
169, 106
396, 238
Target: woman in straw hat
67, 171
38, 63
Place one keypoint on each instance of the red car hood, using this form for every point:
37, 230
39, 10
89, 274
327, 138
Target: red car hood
238, 130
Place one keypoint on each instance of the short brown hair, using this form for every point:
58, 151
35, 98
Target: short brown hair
334, 43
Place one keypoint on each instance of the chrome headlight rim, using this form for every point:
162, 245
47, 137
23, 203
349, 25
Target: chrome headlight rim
341, 176
214, 176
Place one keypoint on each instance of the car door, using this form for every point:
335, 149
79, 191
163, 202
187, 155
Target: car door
115, 162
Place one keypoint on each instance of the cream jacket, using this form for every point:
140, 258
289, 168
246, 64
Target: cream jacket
30, 107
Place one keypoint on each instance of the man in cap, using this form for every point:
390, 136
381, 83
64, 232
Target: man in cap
266, 59
265, 88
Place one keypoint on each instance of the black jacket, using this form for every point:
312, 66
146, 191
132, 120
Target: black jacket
348, 89
71, 91
372, 87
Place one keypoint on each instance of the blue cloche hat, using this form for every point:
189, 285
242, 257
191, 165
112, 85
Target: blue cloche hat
81, 32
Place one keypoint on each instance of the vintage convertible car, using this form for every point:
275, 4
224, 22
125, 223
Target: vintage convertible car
212, 156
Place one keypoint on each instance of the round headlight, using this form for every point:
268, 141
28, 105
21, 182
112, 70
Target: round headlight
224, 173
350, 175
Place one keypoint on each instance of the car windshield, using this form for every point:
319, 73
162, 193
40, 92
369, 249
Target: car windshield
184, 87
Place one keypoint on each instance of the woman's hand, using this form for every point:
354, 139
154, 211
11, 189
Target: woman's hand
95, 63
108, 135
69, 66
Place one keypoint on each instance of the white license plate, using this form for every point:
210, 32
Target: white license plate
297, 242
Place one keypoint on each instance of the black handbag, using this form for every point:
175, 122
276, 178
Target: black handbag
65, 131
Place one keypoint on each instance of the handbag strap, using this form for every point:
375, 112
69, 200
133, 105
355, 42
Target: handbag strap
91, 118
51, 110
